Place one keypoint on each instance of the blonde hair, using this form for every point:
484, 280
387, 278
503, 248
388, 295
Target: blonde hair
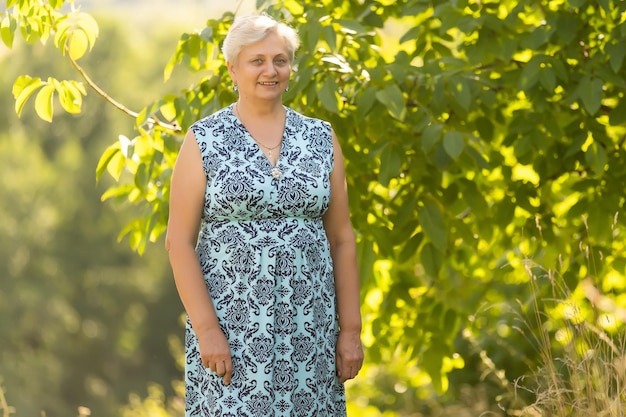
247, 30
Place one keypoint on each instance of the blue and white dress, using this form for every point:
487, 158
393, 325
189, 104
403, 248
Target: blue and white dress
267, 266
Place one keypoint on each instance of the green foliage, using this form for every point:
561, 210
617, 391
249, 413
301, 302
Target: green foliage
478, 134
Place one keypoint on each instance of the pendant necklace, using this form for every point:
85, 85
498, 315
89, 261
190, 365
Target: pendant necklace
276, 172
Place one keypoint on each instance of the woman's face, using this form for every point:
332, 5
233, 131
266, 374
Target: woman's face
263, 69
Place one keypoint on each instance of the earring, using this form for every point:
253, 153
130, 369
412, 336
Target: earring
235, 88
287, 88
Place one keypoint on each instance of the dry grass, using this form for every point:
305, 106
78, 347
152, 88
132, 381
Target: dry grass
583, 372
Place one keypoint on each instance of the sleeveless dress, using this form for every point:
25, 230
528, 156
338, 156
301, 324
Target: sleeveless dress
267, 266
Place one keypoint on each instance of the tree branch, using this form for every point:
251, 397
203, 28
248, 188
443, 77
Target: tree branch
151, 120
4, 406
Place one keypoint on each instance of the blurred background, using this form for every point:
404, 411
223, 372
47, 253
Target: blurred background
84, 321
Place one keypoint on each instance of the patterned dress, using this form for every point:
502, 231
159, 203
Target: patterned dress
267, 265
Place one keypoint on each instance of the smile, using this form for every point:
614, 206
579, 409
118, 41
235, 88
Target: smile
268, 83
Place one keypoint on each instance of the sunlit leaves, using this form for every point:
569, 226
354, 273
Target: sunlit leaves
76, 34
70, 94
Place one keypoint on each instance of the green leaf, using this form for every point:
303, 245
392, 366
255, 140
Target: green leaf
364, 102
43, 102
606, 5
142, 177
7, 30
596, 158
168, 108
474, 198
547, 78
312, 34
485, 128
70, 96
207, 34
410, 248
393, 99
537, 38
23, 88
530, 73
118, 193
328, 95
390, 164
430, 136
431, 259
442, 159
462, 93
432, 362
330, 36
169, 67
616, 53
106, 158
590, 92
453, 143
411, 34
451, 322
76, 34
184, 113
77, 44
432, 221
567, 27
618, 114
116, 165
352, 26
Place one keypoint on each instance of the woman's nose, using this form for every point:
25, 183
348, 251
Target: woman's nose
271, 69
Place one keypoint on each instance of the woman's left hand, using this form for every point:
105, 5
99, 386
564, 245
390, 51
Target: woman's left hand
349, 355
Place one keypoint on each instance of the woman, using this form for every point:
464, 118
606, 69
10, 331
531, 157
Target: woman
270, 283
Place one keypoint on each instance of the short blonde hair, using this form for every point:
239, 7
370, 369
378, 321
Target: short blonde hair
247, 30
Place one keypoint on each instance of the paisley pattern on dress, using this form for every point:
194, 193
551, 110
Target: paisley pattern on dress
267, 266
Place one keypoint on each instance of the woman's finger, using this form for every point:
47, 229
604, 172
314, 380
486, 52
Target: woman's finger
228, 371
220, 368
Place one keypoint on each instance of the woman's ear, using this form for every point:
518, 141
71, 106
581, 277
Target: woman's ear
231, 71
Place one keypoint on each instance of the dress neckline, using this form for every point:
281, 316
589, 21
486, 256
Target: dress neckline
283, 142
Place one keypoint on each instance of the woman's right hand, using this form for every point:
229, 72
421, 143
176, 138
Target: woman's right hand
215, 353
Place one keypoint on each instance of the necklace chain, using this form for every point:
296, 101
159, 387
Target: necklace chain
270, 149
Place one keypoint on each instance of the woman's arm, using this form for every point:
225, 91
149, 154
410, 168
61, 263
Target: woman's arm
186, 204
343, 252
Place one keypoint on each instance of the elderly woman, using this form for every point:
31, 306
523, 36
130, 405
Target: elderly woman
261, 246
